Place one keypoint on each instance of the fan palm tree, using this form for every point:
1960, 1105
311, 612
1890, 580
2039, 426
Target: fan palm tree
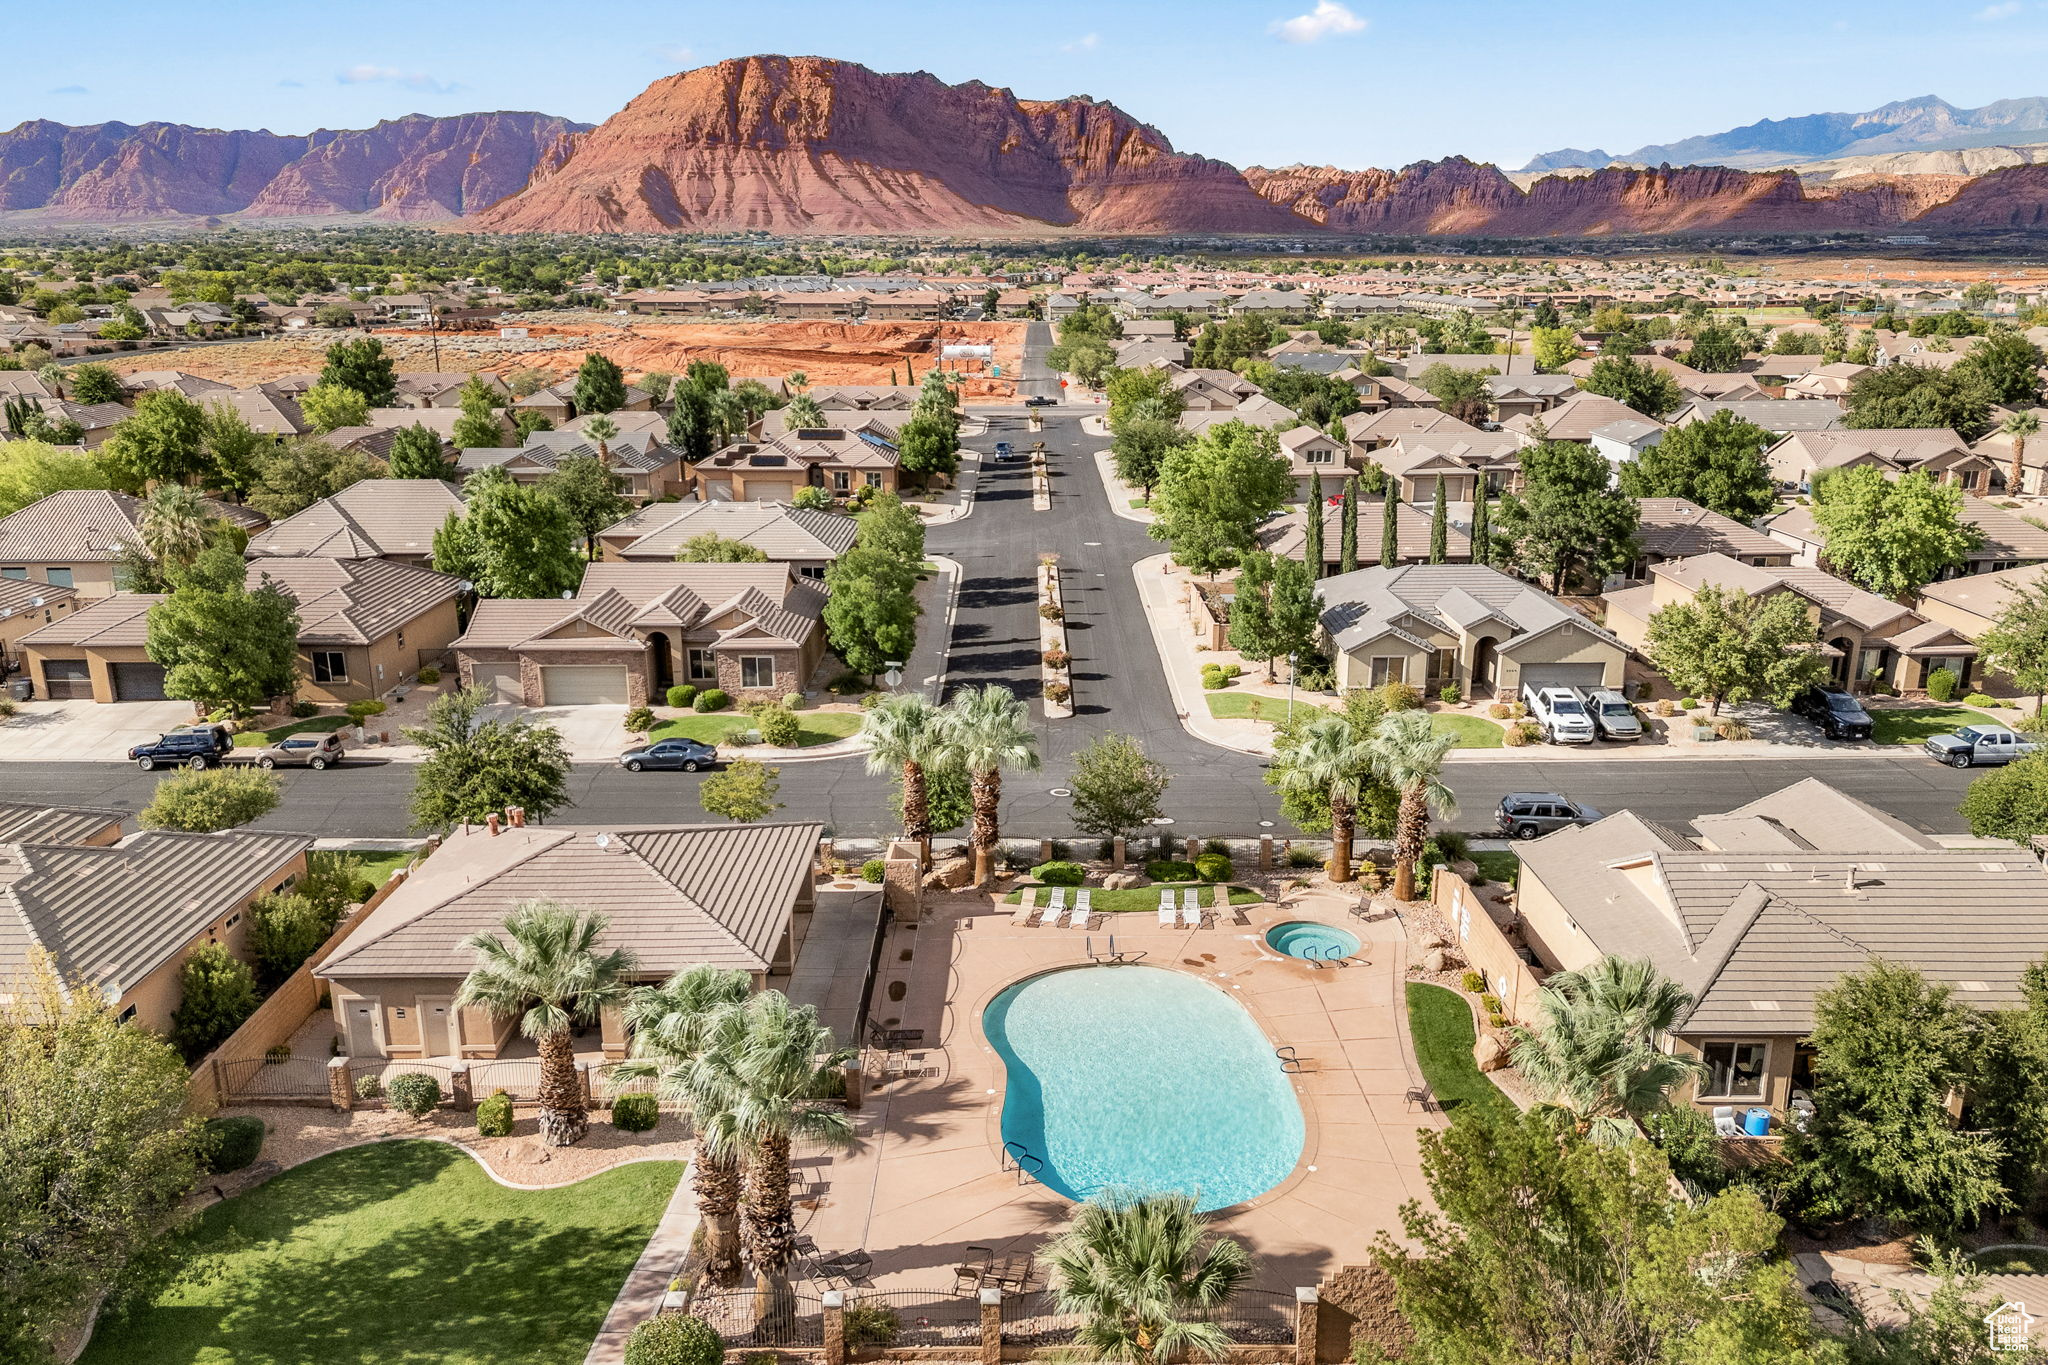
2019, 426
1143, 1274
1594, 1059
672, 1024
903, 735
601, 429
549, 971
1332, 762
728, 415
761, 1081
803, 411
172, 524
1409, 753
796, 381
987, 731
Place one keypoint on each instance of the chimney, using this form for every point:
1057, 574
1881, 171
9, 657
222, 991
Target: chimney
517, 815
491, 823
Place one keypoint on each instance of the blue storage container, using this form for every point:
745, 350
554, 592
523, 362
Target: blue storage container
1757, 1122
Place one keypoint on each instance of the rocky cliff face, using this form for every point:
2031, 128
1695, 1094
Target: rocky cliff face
414, 168
806, 144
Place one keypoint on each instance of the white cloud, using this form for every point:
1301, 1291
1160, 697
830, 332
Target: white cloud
1087, 42
1991, 14
1326, 19
366, 74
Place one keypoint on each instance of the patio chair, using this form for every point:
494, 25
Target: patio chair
1027, 906
1083, 907
973, 1268
1058, 905
1166, 909
1191, 909
1724, 1121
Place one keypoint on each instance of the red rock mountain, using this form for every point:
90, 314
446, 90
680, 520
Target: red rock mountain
413, 168
805, 144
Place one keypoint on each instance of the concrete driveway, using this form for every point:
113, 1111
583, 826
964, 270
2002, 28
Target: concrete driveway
594, 734
87, 731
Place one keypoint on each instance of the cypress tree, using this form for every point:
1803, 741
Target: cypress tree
1347, 536
1390, 537
1482, 549
1313, 556
1439, 526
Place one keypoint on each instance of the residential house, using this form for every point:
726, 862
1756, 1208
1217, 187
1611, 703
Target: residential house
200, 390
806, 540
96, 421
1466, 460
74, 538
79, 826
1150, 353
1866, 638
1209, 390
1768, 905
443, 389
1287, 533
1431, 624
636, 629
557, 402
1310, 452
125, 916
1525, 395
1676, 528
1825, 381
865, 397
647, 467
27, 606
675, 896
1372, 431
269, 410
1972, 604
772, 469
1274, 301
1258, 411
1997, 447
1621, 441
829, 305
2008, 541
391, 519
909, 305
1412, 367
1575, 419
689, 303
1938, 451
1780, 416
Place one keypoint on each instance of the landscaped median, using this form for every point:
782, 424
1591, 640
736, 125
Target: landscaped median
1133, 900
1055, 669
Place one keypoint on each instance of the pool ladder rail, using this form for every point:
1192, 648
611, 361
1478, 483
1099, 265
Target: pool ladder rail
1021, 1159
1293, 1064
1330, 958
1115, 957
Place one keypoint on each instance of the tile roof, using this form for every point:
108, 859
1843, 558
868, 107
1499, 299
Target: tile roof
617, 597
117, 621
1837, 598
27, 823
88, 526
1575, 419
1395, 423
676, 895
779, 531
1772, 414
355, 601
1672, 528
1360, 606
369, 518
27, 594
2006, 536
1983, 594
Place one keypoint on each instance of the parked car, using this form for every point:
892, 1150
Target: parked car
1557, 713
1005, 451
1613, 717
1039, 400
1524, 815
189, 746
1838, 714
1976, 746
311, 751
686, 754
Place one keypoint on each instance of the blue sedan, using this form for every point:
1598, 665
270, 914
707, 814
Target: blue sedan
686, 754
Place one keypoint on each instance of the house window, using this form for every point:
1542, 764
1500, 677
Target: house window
1321, 457
816, 572
1735, 1071
58, 578
699, 664
842, 481
126, 1016
1386, 669
1969, 480
757, 670
874, 480
330, 666
16, 571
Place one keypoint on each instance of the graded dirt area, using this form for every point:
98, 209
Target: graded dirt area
825, 352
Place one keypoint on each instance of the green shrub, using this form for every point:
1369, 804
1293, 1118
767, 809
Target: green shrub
1059, 874
712, 699
779, 727
635, 1113
304, 709
1473, 983
682, 695
229, 1144
1213, 867
1216, 846
494, 1115
673, 1339
429, 675
873, 870
1690, 1146
362, 708
1302, 857
848, 684
368, 1086
1057, 693
1214, 679
1490, 1003
1980, 699
1498, 710
1450, 694
1457, 848
640, 720
1687, 703
1170, 870
413, 1092
1399, 696
792, 701
870, 1324
202, 800
1942, 684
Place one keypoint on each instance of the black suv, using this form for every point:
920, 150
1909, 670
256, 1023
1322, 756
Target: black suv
1528, 814
1839, 715
191, 746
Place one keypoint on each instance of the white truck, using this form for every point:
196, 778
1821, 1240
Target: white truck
1558, 714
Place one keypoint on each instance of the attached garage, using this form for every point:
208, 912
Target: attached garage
1564, 675
67, 680
138, 682
583, 684
500, 680
771, 491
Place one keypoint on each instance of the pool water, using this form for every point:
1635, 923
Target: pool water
1309, 940
1138, 1078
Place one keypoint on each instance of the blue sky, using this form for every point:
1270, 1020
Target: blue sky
1349, 82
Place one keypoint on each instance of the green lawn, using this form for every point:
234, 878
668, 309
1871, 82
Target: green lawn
377, 866
403, 1253
1917, 724
1440, 1023
817, 727
256, 739
1498, 865
2013, 1261
1133, 900
1472, 732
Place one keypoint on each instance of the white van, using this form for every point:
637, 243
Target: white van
1557, 712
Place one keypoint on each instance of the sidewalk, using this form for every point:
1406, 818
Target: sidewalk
648, 1281
1182, 664
1120, 494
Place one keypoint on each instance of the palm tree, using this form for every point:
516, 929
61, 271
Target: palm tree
761, 1081
903, 734
796, 381
1595, 1058
549, 971
1409, 754
2019, 426
986, 731
1142, 1272
173, 524
672, 1025
601, 429
1332, 762
803, 411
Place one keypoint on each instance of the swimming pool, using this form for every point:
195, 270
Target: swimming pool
1139, 1078
1304, 938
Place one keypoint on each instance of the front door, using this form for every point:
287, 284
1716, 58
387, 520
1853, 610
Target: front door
362, 1028
436, 1036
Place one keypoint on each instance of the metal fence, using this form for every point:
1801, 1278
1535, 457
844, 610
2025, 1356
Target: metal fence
387, 1069
606, 1084
911, 1317
296, 1078
796, 1318
518, 1077
1251, 1317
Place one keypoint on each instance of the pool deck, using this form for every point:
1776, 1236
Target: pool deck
926, 1180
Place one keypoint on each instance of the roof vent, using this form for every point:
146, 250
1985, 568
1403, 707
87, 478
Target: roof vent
603, 841
1991, 867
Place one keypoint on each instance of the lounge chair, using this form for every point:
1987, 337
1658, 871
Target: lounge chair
1058, 908
1191, 909
1027, 906
1724, 1121
1083, 908
1166, 909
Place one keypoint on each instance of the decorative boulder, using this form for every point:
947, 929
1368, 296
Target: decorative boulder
1433, 960
1489, 1053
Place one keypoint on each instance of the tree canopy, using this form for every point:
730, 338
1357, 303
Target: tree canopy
362, 365
1729, 646
1213, 494
476, 767
1717, 463
220, 643
1567, 517
1890, 535
514, 541
1645, 388
1909, 395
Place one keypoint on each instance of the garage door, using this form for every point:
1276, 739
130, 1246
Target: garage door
500, 680
1562, 675
583, 685
67, 679
138, 682
770, 492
